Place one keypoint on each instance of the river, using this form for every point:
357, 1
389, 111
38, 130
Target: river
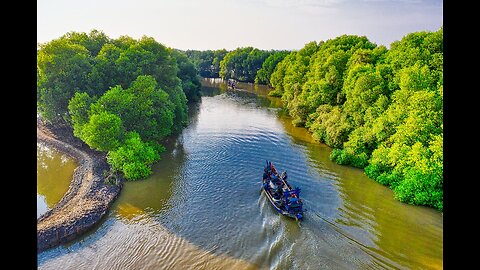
54, 173
202, 209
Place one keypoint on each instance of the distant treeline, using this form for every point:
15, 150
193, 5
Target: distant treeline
123, 96
243, 64
380, 109
207, 62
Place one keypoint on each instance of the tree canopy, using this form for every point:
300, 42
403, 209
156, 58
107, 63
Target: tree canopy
264, 73
380, 109
122, 96
92, 63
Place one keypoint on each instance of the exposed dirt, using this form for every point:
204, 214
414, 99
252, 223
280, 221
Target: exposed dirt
88, 197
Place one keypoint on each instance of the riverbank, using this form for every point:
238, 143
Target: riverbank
180, 217
88, 197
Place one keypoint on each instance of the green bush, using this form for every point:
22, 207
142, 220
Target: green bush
342, 157
103, 131
275, 93
133, 158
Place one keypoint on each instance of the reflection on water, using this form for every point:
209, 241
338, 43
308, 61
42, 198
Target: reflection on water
54, 174
202, 209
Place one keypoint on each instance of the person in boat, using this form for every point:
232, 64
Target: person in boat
293, 200
278, 194
267, 173
265, 186
267, 169
276, 180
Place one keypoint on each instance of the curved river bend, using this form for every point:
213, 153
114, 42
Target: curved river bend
201, 209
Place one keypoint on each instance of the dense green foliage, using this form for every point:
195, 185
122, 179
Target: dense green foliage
92, 63
268, 66
188, 75
242, 64
128, 123
103, 131
133, 157
290, 74
120, 95
207, 63
381, 109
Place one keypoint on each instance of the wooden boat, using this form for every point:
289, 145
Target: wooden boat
285, 199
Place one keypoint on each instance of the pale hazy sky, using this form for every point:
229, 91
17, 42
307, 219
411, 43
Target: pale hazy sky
216, 24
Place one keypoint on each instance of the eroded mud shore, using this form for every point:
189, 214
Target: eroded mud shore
88, 197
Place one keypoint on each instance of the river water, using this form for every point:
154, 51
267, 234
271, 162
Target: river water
54, 173
202, 209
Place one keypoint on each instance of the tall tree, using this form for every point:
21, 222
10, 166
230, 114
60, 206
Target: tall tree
62, 70
268, 66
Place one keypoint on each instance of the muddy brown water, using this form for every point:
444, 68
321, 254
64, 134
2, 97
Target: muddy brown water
54, 173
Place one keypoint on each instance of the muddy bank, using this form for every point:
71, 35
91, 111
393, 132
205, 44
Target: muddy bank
88, 197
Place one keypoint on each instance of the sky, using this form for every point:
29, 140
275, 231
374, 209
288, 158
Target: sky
229, 24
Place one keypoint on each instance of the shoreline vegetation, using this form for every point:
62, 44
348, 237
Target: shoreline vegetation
120, 96
381, 110
110, 103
